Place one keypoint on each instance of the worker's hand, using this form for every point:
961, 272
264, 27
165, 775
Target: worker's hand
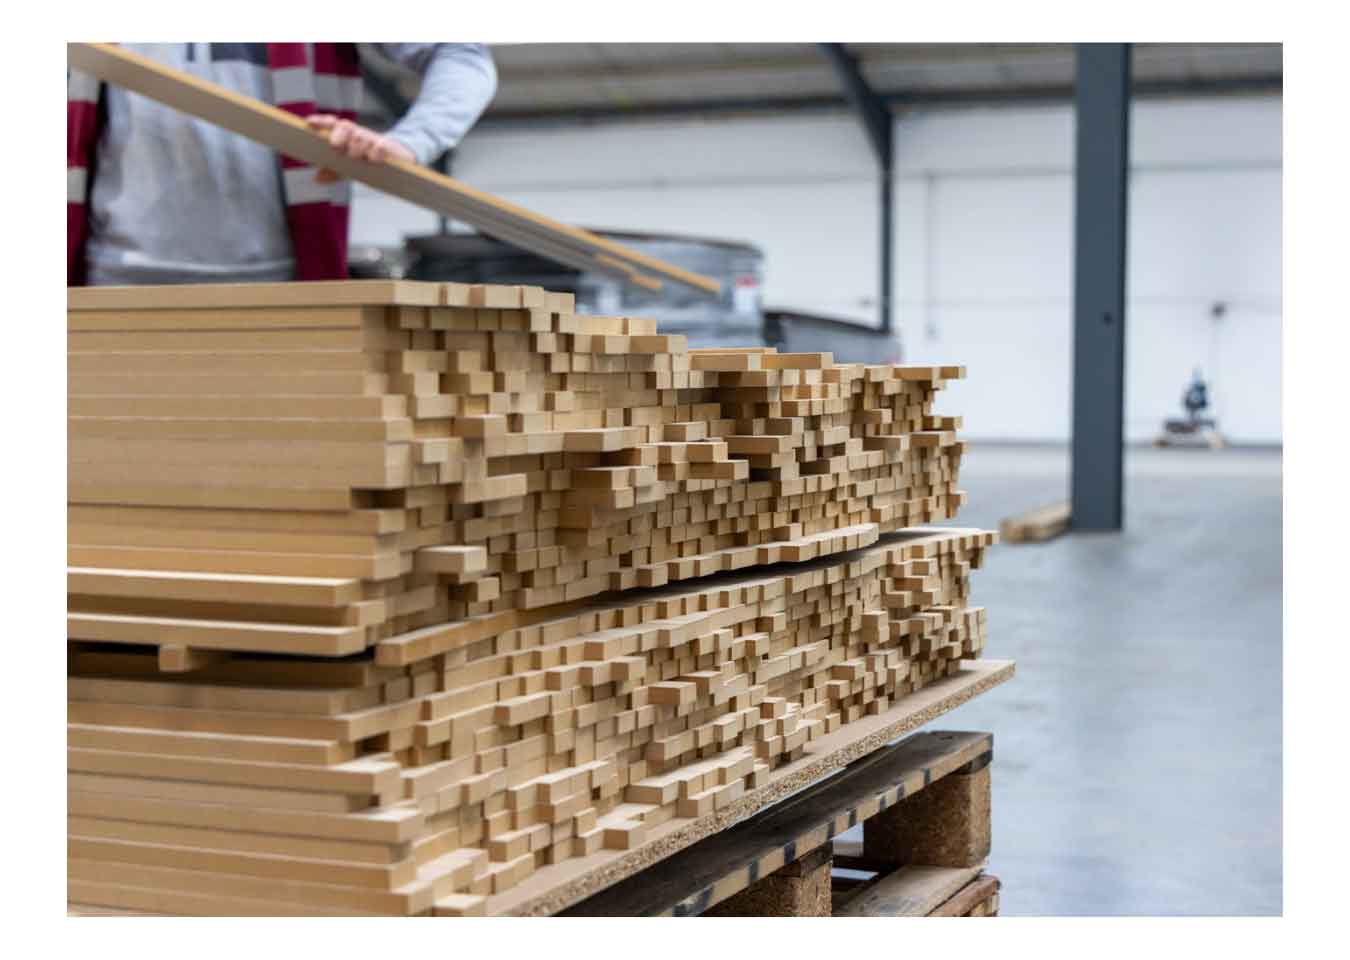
355, 141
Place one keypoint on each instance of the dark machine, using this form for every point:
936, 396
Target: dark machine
735, 318
1196, 430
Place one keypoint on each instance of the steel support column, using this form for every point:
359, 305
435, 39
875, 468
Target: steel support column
1100, 214
878, 124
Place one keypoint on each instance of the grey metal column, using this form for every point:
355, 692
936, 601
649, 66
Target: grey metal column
1100, 214
879, 126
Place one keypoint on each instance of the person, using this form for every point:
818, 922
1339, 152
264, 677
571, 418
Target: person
157, 196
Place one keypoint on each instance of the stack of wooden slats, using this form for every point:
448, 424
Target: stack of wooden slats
373, 588
435, 462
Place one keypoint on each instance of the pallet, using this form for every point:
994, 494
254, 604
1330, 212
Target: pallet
779, 862
1036, 526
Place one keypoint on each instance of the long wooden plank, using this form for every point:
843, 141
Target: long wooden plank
214, 306
177, 585
355, 725
221, 746
262, 637
278, 845
239, 496
360, 521
395, 825
286, 867
145, 901
292, 136
318, 701
1036, 526
356, 777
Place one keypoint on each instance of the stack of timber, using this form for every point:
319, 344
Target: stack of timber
374, 589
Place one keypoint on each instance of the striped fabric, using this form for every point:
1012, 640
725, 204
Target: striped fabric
306, 79
82, 116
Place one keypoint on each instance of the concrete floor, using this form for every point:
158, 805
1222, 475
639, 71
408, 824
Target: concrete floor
1137, 753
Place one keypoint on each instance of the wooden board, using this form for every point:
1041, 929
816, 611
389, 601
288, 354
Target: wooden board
1036, 526
290, 135
911, 891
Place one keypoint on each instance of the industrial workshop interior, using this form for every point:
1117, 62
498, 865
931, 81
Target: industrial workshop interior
673, 479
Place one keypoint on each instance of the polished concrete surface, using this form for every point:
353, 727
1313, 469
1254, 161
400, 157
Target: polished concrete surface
1137, 753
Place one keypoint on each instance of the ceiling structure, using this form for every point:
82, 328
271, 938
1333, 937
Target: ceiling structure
577, 82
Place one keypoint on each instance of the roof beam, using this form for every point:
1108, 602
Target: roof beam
871, 108
879, 125
1263, 84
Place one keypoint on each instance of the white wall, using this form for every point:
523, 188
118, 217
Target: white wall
983, 256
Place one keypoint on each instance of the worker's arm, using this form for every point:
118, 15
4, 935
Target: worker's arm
458, 81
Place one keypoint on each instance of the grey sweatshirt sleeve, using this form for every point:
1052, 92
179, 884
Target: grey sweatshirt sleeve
458, 81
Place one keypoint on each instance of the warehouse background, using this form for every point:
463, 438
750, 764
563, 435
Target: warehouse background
982, 198
1140, 749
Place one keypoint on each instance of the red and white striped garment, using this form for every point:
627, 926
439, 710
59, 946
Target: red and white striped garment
306, 79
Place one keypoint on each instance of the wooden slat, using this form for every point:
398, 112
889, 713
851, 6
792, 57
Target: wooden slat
981, 891
911, 891
1036, 526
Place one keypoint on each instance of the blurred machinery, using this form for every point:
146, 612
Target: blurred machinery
1196, 430
732, 318
735, 318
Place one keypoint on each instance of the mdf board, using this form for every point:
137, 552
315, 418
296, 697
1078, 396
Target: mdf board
534, 764
578, 472
567, 585
275, 304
